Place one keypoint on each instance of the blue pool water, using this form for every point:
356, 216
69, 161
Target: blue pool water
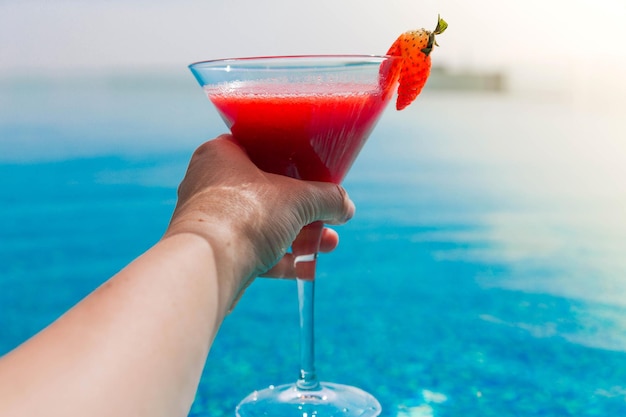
483, 274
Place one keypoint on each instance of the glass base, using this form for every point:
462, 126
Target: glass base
329, 400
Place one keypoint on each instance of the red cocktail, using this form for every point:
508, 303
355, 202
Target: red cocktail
313, 134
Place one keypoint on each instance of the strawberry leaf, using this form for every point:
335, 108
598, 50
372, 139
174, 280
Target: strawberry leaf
442, 25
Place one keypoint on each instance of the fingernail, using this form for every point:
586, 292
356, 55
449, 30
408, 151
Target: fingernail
350, 210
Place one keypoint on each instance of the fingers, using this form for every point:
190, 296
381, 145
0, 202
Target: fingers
326, 202
342, 208
330, 240
285, 268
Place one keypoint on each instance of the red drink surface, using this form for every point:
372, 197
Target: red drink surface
315, 134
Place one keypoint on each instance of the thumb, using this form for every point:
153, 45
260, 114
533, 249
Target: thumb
327, 202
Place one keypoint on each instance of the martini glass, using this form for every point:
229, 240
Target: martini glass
306, 117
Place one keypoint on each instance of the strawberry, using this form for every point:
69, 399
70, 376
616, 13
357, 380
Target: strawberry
414, 47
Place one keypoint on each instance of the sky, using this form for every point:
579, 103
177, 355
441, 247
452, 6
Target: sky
540, 43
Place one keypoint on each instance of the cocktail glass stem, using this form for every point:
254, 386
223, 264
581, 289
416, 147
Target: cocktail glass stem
305, 250
306, 296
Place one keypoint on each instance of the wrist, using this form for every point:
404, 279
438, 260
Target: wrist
231, 253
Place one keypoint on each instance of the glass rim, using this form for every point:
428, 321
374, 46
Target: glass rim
352, 58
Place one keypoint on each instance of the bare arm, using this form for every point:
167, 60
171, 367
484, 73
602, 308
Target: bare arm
137, 345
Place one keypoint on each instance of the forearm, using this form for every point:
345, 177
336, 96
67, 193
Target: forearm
136, 346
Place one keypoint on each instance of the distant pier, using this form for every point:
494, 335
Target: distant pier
442, 78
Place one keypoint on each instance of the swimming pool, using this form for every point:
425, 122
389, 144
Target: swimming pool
482, 275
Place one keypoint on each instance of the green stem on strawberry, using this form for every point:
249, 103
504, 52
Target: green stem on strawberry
442, 25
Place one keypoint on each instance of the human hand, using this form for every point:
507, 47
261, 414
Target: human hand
250, 217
